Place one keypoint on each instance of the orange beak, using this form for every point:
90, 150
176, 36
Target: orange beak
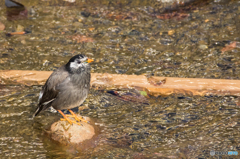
90, 60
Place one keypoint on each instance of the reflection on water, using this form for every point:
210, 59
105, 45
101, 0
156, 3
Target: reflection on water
129, 38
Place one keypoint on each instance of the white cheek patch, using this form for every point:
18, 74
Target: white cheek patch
74, 65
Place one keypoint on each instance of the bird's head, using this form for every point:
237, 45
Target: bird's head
78, 63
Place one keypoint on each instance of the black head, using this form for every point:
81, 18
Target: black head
78, 63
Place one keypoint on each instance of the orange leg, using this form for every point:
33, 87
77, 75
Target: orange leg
66, 118
76, 117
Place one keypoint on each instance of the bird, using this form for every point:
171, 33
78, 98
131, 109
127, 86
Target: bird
66, 88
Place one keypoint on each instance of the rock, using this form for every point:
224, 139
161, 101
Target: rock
2, 26
32, 11
71, 1
19, 28
65, 133
203, 47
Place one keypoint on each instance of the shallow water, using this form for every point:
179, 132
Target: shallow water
124, 38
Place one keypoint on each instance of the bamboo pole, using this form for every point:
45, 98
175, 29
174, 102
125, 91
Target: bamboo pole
153, 85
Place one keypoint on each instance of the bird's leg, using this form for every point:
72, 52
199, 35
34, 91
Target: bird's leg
76, 117
66, 118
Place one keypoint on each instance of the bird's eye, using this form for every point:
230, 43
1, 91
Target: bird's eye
79, 62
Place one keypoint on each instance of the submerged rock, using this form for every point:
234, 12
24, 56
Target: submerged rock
66, 133
2, 26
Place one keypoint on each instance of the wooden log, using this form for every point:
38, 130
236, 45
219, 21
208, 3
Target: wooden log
153, 85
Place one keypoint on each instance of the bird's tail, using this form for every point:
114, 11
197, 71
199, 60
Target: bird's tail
37, 111
43, 107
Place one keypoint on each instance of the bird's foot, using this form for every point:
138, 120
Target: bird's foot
71, 121
77, 118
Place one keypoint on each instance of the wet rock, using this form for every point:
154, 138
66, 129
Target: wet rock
131, 95
15, 10
65, 133
70, 1
32, 11
178, 16
19, 28
77, 24
134, 32
2, 26
23, 41
85, 14
203, 47
81, 38
224, 66
231, 46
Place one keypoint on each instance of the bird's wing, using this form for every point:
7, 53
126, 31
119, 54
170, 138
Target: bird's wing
49, 91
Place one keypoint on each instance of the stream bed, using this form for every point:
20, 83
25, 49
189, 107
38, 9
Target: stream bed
124, 37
